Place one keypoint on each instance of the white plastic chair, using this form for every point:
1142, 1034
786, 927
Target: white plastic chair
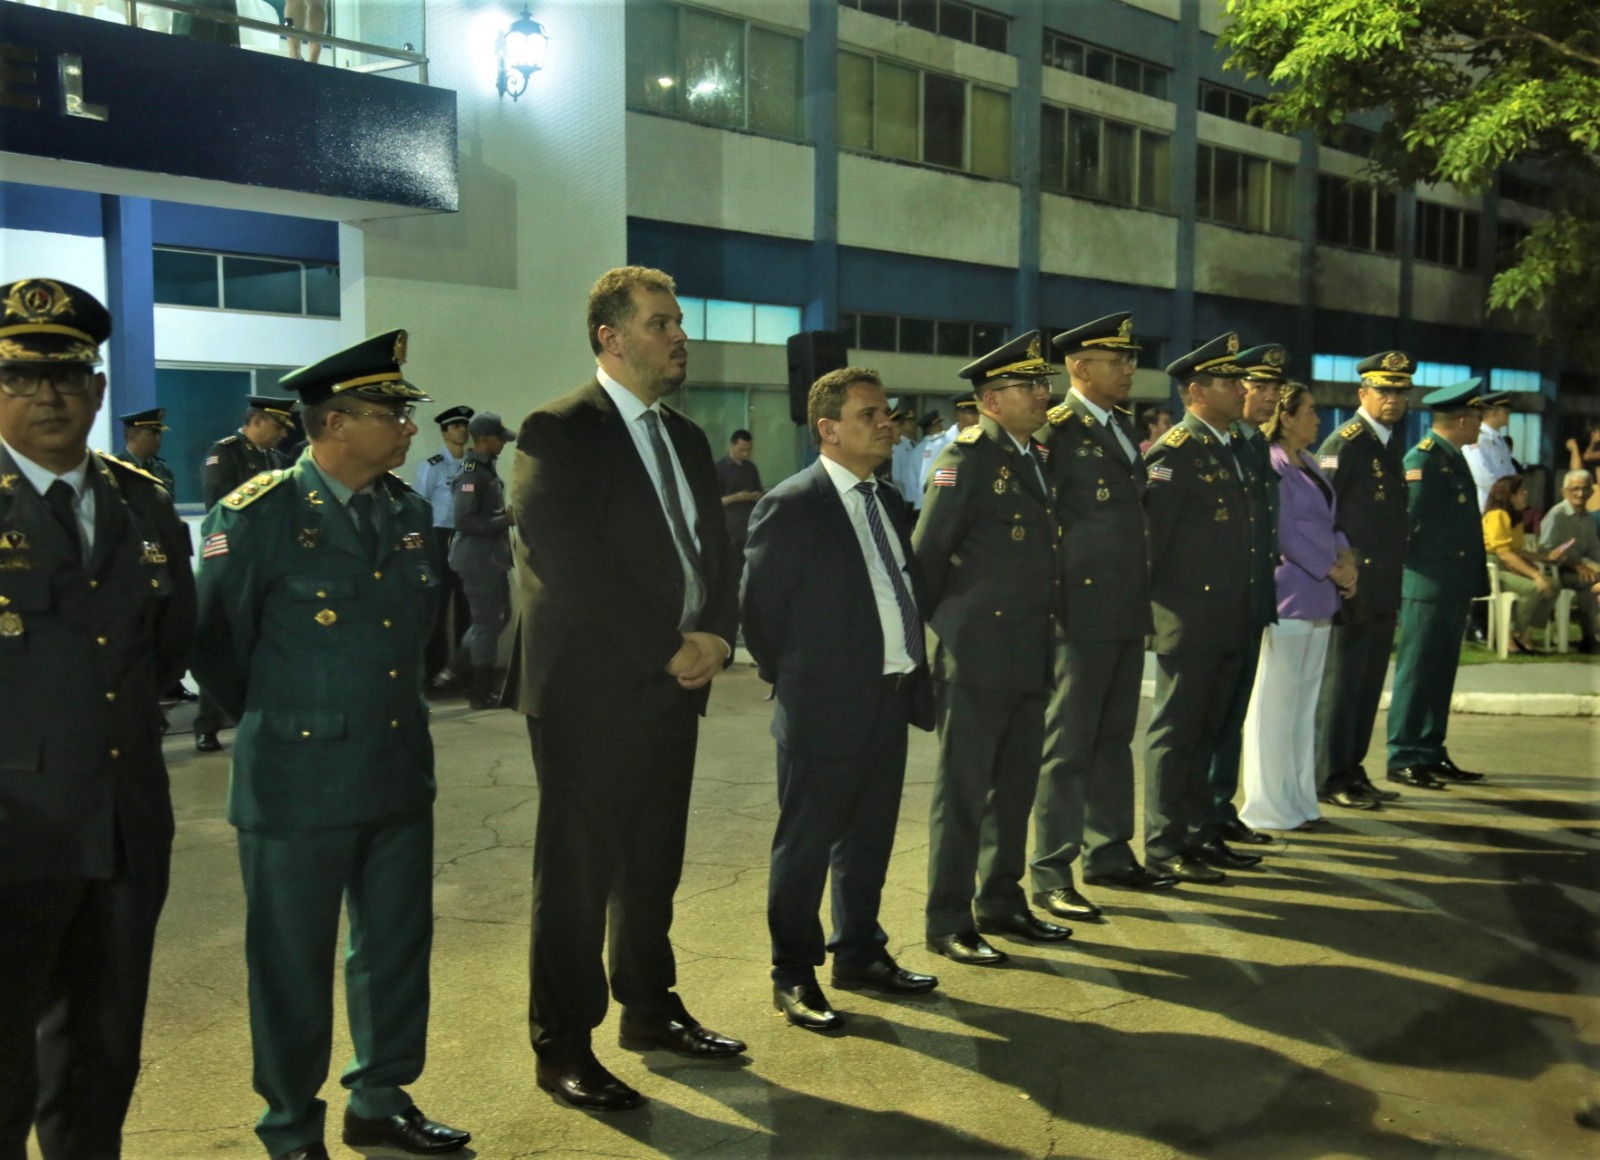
1500, 605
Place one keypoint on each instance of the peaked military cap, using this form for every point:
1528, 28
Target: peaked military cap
898, 412
488, 423
1268, 362
1458, 397
43, 320
1113, 332
1021, 358
453, 415
280, 409
968, 400
1218, 357
930, 417
368, 370
1388, 368
151, 419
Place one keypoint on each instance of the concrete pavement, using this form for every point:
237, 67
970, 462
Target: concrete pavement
1415, 983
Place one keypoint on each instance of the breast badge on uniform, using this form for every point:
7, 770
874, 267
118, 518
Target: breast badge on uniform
326, 617
412, 541
309, 537
152, 553
8, 482
10, 624
1102, 494
1019, 532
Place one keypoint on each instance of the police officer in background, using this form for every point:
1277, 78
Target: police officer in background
1365, 462
480, 553
1444, 574
965, 410
96, 619
318, 586
142, 432
986, 542
433, 482
250, 450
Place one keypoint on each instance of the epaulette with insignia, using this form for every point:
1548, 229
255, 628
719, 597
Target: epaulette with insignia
227, 439
1176, 437
970, 434
436, 459
1058, 414
1426, 444
125, 465
469, 465
1128, 411
253, 489
396, 483
1351, 429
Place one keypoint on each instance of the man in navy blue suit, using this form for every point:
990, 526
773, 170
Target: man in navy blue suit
833, 613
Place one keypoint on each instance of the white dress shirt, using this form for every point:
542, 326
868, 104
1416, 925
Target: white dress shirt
1383, 433
1490, 459
896, 659
1104, 418
78, 479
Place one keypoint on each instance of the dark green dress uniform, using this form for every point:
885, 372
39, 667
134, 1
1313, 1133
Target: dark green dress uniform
233, 459
1199, 515
313, 624
150, 464
1444, 573
1102, 617
1368, 477
92, 629
986, 543
1264, 363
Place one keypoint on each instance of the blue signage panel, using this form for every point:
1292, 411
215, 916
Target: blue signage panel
91, 91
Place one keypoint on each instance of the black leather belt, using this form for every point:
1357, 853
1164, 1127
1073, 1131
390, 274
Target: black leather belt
894, 682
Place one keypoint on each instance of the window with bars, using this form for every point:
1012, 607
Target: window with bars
1355, 214
1102, 64
704, 66
217, 281
1237, 189
1220, 101
910, 335
958, 21
897, 110
1447, 236
1084, 155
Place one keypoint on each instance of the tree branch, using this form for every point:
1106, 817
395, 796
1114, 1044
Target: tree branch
1553, 44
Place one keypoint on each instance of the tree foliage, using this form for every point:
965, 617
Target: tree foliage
1466, 87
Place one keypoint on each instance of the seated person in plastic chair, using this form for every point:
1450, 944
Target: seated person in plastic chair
1518, 569
1573, 541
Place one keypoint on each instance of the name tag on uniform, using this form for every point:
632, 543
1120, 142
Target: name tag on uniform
412, 540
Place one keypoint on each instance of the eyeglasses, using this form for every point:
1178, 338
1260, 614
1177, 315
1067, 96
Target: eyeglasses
1119, 362
1034, 386
399, 418
20, 384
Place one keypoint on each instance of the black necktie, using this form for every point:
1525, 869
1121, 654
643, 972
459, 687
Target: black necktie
910, 618
1038, 475
364, 514
63, 505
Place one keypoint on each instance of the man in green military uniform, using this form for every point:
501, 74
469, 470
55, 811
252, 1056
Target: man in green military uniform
1102, 616
986, 542
1264, 374
141, 438
1365, 461
318, 586
1199, 517
1444, 573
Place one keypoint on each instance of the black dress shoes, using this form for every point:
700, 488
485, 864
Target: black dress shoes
1186, 868
806, 1007
1217, 853
1354, 798
886, 977
587, 1084
1135, 877
1452, 771
207, 742
685, 1036
1380, 795
1025, 925
1066, 903
1237, 831
317, 1151
967, 948
410, 1131
1420, 776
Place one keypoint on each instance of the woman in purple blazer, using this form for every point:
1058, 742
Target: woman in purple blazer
1316, 567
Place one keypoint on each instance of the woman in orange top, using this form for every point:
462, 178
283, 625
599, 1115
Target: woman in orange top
1519, 569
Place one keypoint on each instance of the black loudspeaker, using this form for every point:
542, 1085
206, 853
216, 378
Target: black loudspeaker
812, 354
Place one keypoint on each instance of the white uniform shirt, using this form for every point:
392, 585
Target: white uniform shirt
896, 659
1490, 459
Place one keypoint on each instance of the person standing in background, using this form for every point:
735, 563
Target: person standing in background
1490, 457
480, 553
739, 481
142, 432
433, 482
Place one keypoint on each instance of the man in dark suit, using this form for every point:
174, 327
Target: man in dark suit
96, 618
986, 541
832, 603
1102, 595
1199, 518
629, 608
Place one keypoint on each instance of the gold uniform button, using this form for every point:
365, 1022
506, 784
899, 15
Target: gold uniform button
393, 674
394, 724
305, 733
116, 753
111, 694
1088, 580
997, 612
388, 624
377, 575
1208, 588
94, 584
321, 595
154, 583
326, 617
101, 641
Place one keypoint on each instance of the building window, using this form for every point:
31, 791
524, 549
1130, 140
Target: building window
235, 282
1229, 103
889, 332
1532, 193
706, 67
1334, 368
1101, 64
1508, 239
1088, 156
898, 111
1351, 213
1237, 189
951, 18
1348, 138
1501, 379
719, 320
1446, 236
1432, 374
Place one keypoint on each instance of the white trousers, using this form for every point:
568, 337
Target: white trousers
1279, 776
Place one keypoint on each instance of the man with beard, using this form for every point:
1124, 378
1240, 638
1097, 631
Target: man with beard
629, 609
